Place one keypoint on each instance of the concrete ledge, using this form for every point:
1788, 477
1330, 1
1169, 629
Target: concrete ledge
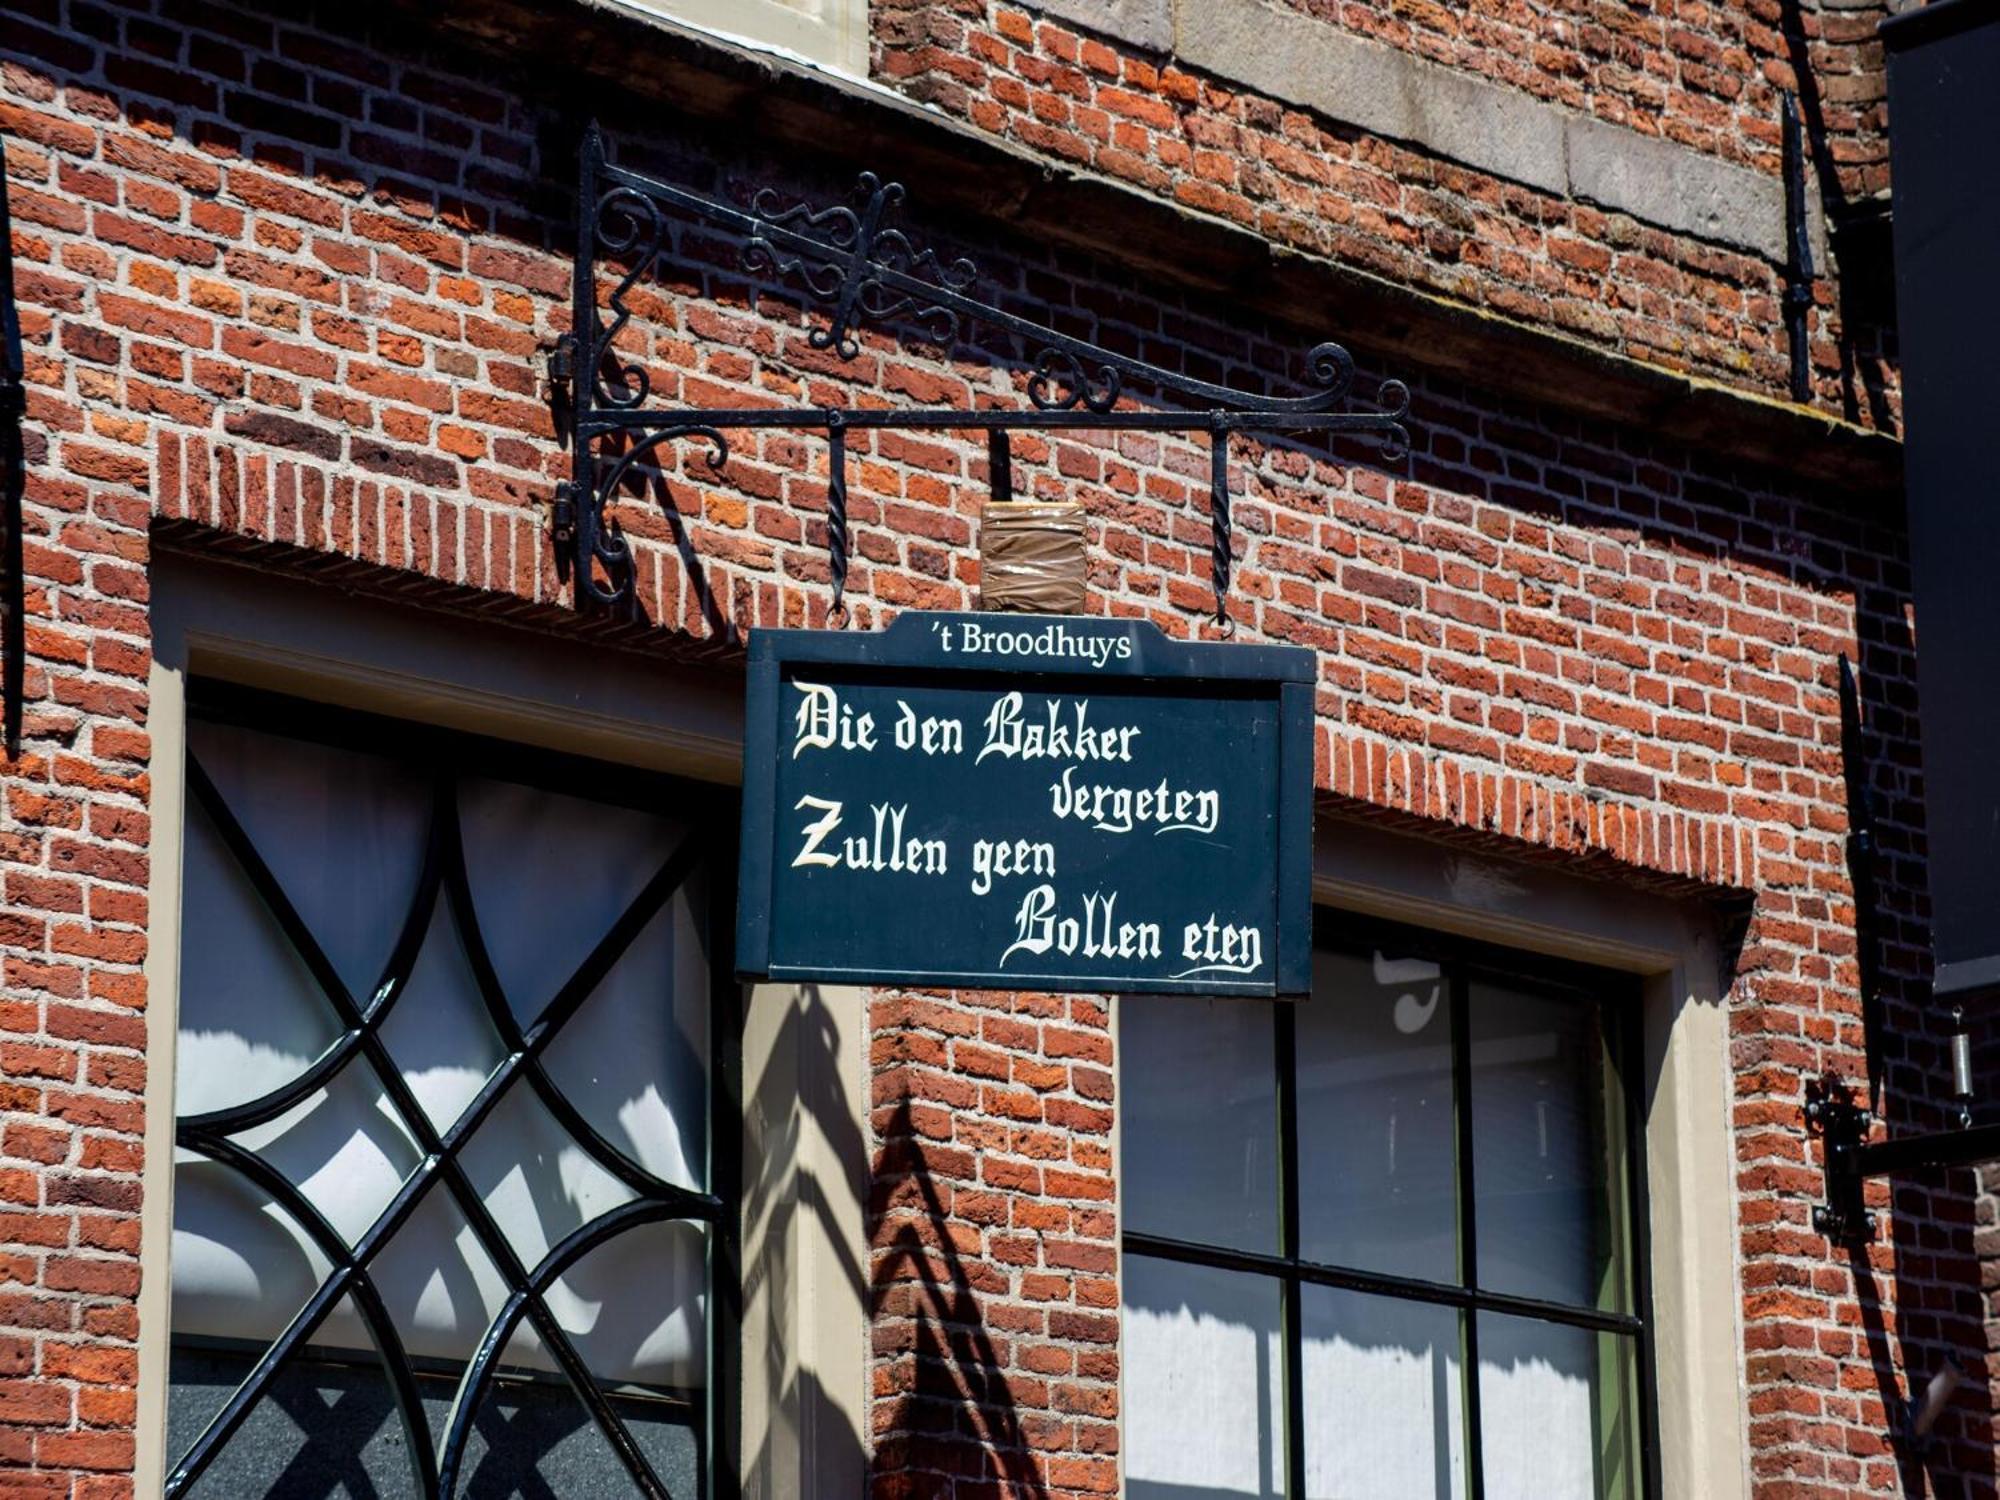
586, 58
1488, 126
1143, 23
1674, 188
1385, 92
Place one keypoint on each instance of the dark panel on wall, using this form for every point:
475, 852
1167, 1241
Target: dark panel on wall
1944, 107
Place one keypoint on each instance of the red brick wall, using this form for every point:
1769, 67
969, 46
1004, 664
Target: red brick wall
994, 1248
288, 282
1706, 77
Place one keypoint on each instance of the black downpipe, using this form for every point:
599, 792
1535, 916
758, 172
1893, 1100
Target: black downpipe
13, 481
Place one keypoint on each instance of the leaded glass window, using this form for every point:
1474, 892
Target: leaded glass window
1380, 1245
450, 1199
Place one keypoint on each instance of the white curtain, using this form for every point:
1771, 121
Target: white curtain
1553, 1400
1384, 1398
1203, 1365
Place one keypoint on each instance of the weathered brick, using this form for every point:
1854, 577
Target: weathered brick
1543, 638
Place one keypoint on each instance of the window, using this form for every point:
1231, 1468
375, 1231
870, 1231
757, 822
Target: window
453, 1184
1381, 1244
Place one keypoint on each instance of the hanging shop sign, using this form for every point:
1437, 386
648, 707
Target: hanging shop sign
1027, 802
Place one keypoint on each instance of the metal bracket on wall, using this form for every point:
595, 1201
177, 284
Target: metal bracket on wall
852, 264
1851, 1159
1844, 1126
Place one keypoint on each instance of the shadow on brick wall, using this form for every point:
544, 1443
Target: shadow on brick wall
947, 1416
1913, 1286
1841, 88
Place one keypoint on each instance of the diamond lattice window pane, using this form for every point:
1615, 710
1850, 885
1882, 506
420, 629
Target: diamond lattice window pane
536, 1180
242, 1268
550, 874
344, 833
346, 841
532, 1437
441, 1287
242, 1263
328, 1429
635, 1059
636, 1309
251, 1017
438, 1030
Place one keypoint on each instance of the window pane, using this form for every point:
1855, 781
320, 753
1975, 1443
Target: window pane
1557, 1411
1204, 1381
549, 875
251, 1017
440, 1032
327, 1426
330, 1431
1200, 1137
1384, 1398
534, 1440
1377, 1153
348, 831
316, 814
634, 1060
636, 1307
1548, 1148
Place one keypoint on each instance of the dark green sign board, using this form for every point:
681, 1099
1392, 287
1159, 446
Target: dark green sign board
1027, 802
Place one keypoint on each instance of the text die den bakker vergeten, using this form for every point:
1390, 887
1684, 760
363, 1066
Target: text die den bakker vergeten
1085, 754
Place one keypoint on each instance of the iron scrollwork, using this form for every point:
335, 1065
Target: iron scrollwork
1060, 383
855, 248
850, 263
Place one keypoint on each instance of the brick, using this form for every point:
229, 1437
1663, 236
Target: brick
270, 428
1542, 639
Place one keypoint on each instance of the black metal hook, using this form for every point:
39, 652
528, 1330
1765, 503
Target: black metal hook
836, 507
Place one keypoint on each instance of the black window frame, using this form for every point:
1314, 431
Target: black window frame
1463, 960
710, 814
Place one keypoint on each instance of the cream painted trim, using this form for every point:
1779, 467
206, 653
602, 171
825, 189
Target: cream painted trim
1692, 1237
805, 1278
482, 676
167, 720
1697, 1286
832, 33
803, 1411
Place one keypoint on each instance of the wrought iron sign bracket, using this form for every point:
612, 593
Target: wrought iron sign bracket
852, 265
1851, 1159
